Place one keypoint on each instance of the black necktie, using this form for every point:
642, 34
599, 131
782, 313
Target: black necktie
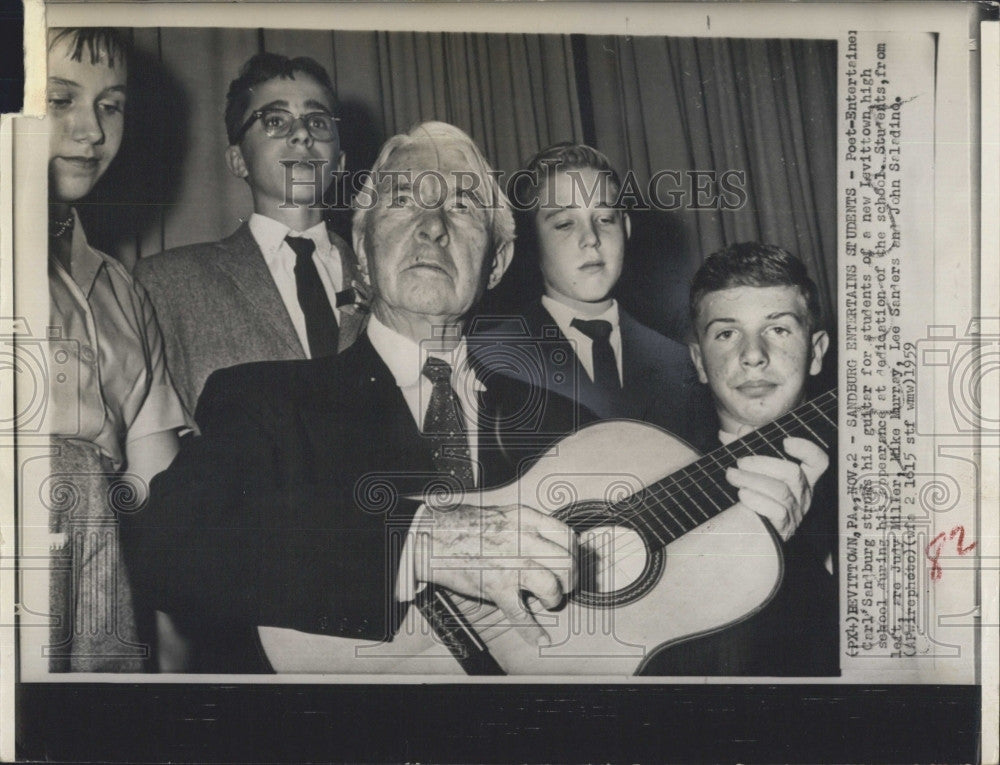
321, 323
444, 425
605, 366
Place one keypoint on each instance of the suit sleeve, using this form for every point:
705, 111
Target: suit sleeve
225, 536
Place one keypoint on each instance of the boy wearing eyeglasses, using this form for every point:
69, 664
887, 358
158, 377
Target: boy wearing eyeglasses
282, 286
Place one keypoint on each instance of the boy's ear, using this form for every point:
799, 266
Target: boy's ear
820, 343
699, 365
628, 227
234, 161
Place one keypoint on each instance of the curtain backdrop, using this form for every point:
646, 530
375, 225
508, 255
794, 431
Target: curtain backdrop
762, 108
766, 108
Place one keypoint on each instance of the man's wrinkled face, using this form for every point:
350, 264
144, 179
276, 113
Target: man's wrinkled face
427, 240
755, 351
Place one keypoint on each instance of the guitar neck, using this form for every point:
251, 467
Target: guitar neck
675, 505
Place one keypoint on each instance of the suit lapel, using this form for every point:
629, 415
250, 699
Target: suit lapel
353, 318
542, 325
493, 460
362, 389
241, 261
633, 372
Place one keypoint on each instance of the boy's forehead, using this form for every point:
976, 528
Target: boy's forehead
576, 187
302, 86
748, 302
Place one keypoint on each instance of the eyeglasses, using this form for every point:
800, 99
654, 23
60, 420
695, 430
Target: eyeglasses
279, 123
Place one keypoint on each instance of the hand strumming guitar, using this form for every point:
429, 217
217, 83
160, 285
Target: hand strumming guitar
496, 553
780, 490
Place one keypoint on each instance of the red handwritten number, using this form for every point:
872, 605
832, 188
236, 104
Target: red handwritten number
935, 546
959, 531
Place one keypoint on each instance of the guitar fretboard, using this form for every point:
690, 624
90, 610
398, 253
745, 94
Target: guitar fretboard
684, 500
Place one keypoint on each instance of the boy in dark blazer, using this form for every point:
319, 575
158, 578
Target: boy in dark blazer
758, 343
593, 351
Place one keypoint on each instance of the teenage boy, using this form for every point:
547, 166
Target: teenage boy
592, 350
757, 341
282, 286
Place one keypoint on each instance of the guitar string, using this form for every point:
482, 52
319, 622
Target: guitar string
670, 484
690, 473
633, 548
668, 487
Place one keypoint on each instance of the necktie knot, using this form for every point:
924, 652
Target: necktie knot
605, 367
303, 247
322, 331
595, 329
438, 371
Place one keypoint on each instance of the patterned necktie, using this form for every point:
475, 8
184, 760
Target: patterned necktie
444, 425
605, 366
321, 323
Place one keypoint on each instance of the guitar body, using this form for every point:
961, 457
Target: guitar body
635, 598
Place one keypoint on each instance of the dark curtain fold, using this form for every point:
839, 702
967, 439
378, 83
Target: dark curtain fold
765, 108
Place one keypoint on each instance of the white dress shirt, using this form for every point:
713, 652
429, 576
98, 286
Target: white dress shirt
280, 259
405, 360
582, 344
726, 438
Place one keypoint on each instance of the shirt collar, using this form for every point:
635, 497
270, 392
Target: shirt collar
564, 315
405, 358
726, 438
270, 234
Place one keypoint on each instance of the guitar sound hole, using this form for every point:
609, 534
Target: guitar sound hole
616, 565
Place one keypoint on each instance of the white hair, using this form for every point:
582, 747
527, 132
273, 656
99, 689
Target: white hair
501, 219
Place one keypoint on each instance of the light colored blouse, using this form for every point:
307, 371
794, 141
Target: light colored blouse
109, 383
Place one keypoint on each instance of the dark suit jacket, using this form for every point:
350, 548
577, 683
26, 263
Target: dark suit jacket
796, 633
287, 509
659, 382
217, 307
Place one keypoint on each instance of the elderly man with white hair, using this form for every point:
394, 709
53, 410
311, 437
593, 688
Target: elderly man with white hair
294, 506
325, 497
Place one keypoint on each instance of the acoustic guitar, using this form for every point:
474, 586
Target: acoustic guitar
666, 555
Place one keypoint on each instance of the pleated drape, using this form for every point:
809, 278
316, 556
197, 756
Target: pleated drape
763, 108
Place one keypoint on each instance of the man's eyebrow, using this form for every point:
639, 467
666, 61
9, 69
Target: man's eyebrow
781, 314
722, 320
550, 211
471, 194
114, 89
279, 104
386, 182
62, 81
318, 106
